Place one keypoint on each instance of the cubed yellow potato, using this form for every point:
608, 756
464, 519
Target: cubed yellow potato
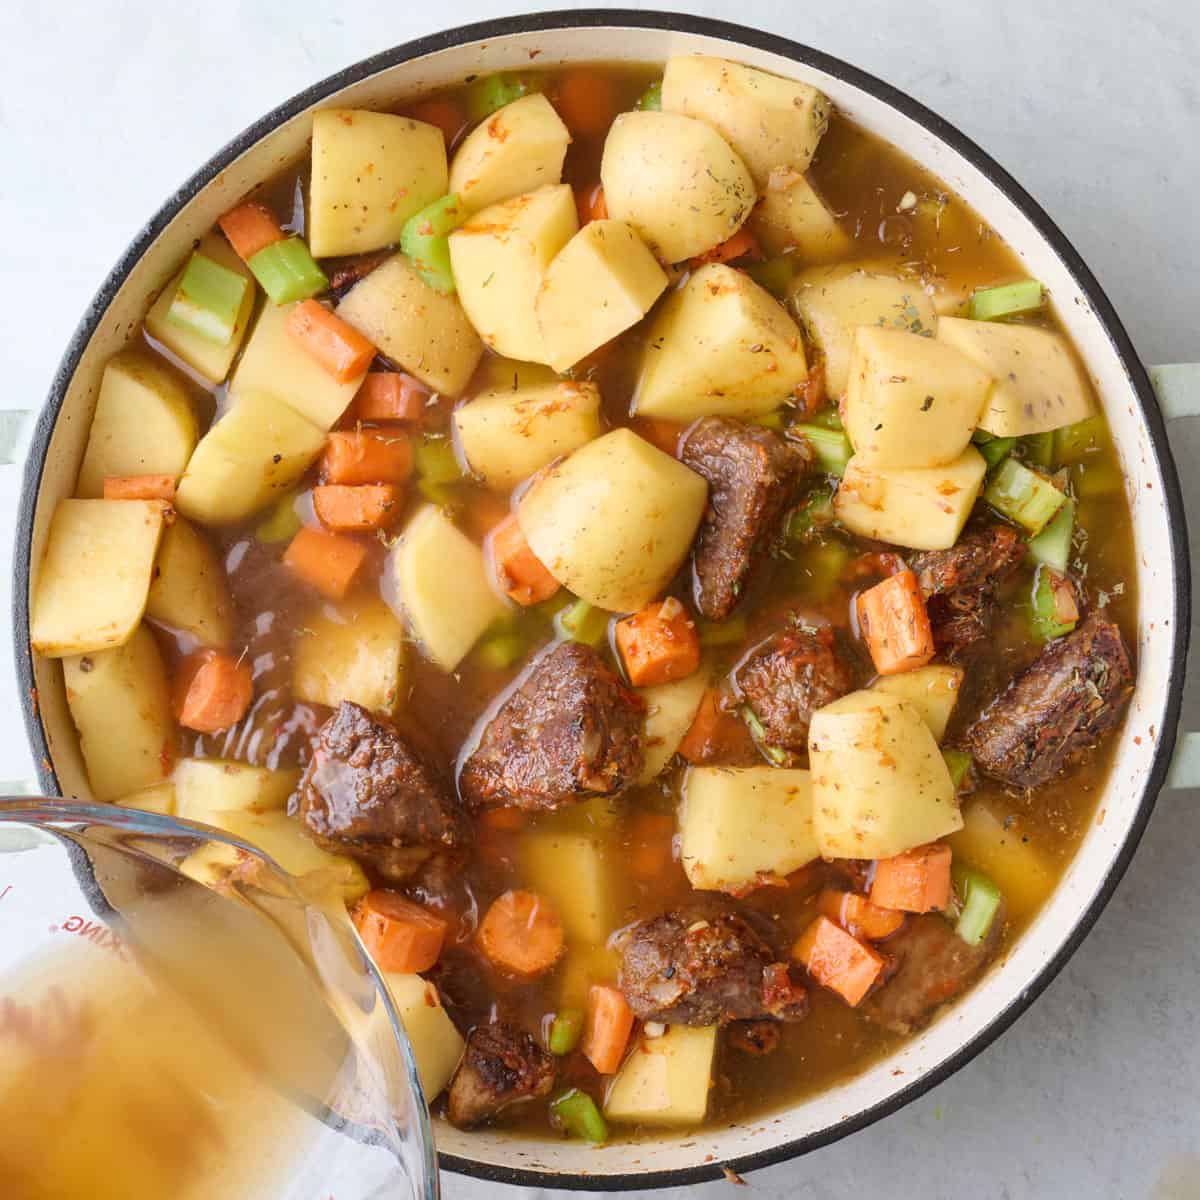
719, 346
518, 148
921, 508
205, 788
211, 864
418, 328
120, 702
770, 121
600, 283
436, 1044
791, 217
157, 798
910, 401
676, 181
670, 710
439, 581
879, 783
614, 521
206, 358
579, 874
95, 574
188, 592
666, 1080
507, 434
1000, 850
144, 424
1039, 385
831, 302
932, 690
499, 259
370, 172
582, 967
274, 363
497, 373
354, 651
257, 450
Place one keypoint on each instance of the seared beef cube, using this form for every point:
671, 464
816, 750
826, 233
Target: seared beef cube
785, 679
570, 729
367, 792
501, 1065
703, 963
1053, 713
930, 964
752, 474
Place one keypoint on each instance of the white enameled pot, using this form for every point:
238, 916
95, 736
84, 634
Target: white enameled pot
1147, 737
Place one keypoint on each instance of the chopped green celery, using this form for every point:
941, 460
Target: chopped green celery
996, 450
435, 461
831, 446
721, 633
771, 420
425, 238
828, 418
1073, 442
287, 271
1039, 449
818, 569
774, 753
444, 495
979, 901
1053, 545
565, 1031
577, 1113
500, 649
208, 299
1023, 496
814, 510
651, 99
583, 622
1008, 300
282, 523
491, 92
1096, 479
958, 763
549, 609
1054, 612
774, 275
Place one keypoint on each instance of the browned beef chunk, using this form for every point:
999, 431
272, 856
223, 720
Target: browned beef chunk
931, 964
502, 1065
344, 273
1055, 711
368, 793
785, 679
702, 963
756, 1038
570, 729
751, 475
960, 584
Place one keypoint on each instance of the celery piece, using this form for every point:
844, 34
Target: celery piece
996, 450
651, 99
435, 461
577, 1113
444, 495
831, 446
425, 238
1048, 622
281, 524
1039, 449
492, 92
1073, 442
1053, 545
828, 418
777, 755
958, 763
499, 650
582, 622
721, 633
208, 300
565, 1031
814, 510
774, 275
818, 570
979, 902
1008, 300
287, 271
772, 420
1023, 496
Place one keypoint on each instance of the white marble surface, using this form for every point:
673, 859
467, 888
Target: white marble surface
106, 105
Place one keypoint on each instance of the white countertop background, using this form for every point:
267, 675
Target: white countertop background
1094, 105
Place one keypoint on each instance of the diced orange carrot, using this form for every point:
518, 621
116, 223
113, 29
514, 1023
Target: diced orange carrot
328, 562
521, 575
658, 644
607, 1028
366, 456
139, 487
742, 244
895, 624
837, 960
338, 347
704, 734
448, 116
359, 509
651, 837
586, 102
504, 820
811, 394
250, 227
398, 934
390, 396
663, 434
590, 204
917, 881
522, 933
857, 915
213, 691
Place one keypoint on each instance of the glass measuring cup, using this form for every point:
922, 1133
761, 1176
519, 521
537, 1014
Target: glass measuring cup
158, 1034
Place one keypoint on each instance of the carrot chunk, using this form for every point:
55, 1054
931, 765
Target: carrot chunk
359, 509
742, 244
249, 228
520, 573
857, 915
390, 396
707, 730
917, 881
362, 456
448, 116
213, 691
338, 347
522, 934
586, 102
838, 961
658, 644
895, 625
608, 1025
328, 562
139, 487
398, 934
590, 204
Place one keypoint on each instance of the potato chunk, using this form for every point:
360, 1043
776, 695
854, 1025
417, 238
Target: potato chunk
157, 798
189, 592
120, 702
518, 148
792, 217
207, 787
770, 121
921, 508
509, 434
614, 521
932, 690
500, 257
910, 401
370, 172
666, 1080
1039, 385
257, 449
879, 783
579, 872
436, 1044
720, 346
95, 574
670, 710
600, 283
738, 824
1002, 851
143, 425
676, 181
